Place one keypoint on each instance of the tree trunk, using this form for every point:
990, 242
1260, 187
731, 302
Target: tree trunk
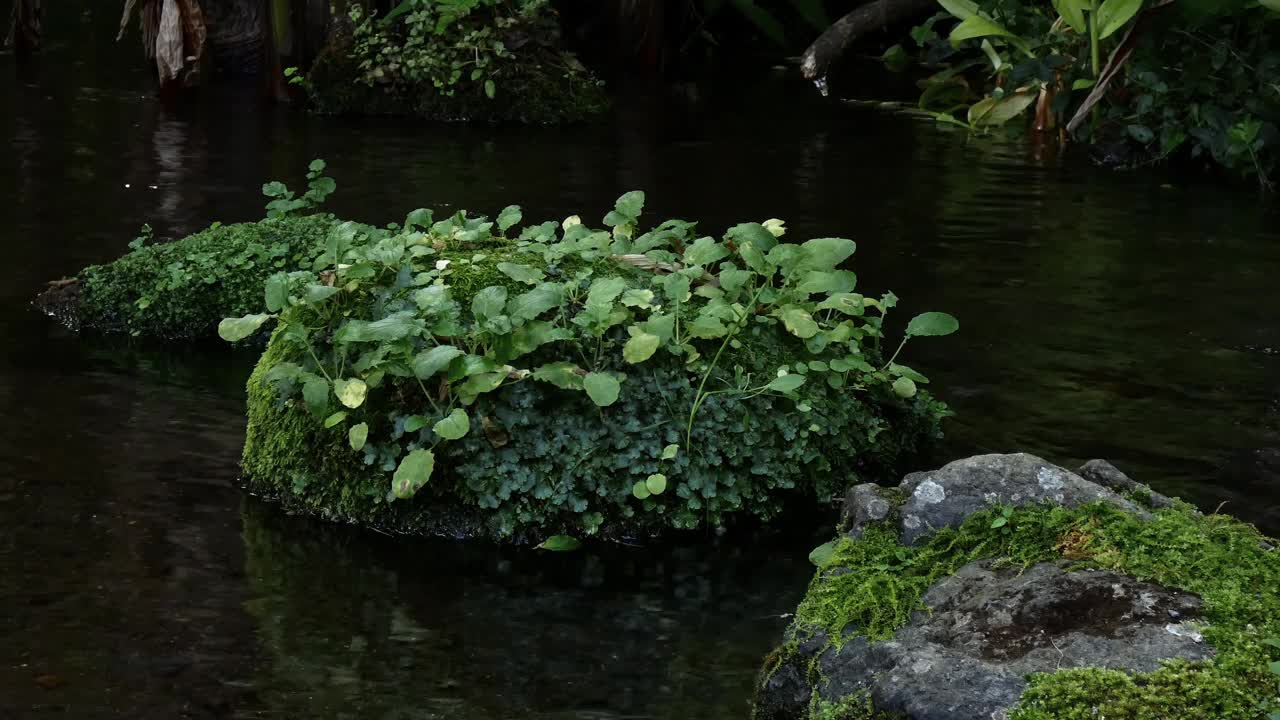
24, 26
237, 35
872, 17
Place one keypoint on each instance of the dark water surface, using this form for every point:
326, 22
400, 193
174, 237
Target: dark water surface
1103, 315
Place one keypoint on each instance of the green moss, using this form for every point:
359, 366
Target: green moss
853, 707
1222, 560
182, 289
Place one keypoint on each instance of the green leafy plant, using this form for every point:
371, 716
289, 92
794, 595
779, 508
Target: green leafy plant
425, 332
283, 202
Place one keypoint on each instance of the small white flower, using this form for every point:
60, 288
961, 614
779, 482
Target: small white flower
775, 226
571, 221
442, 264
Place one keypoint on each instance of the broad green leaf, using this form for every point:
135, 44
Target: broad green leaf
827, 281
754, 258
489, 302
560, 543
434, 298
508, 218
351, 392
357, 436
415, 423
429, 362
656, 483
1073, 12
786, 383
846, 303
822, 554
422, 217
825, 253
704, 251
630, 204
675, 287
530, 305
670, 451
753, 233
454, 426
602, 388
335, 418
733, 279
977, 26
990, 112
1086, 83
661, 325
1115, 14
904, 387
605, 290
315, 393
798, 321
707, 327
961, 9
490, 89
521, 273
640, 347
316, 293
393, 327
527, 338
413, 473
640, 490
477, 385
277, 292
236, 329
564, 375
637, 298
932, 324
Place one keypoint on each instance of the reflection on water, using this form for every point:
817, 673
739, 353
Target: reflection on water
1103, 315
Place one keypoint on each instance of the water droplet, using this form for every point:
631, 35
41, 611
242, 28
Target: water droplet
821, 84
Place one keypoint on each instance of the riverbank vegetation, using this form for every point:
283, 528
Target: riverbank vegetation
1140, 82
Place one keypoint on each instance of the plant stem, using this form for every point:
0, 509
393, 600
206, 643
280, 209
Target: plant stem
700, 396
902, 344
1095, 53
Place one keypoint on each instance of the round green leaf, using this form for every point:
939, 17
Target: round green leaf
453, 427
351, 392
640, 490
904, 387
236, 329
656, 483
414, 472
415, 423
786, 383
822, 554
640, 347
357, 436
602, 388
932, 324
315, 392
430, 362
799, 322
670, 451
560, 543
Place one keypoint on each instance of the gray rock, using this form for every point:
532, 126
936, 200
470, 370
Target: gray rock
946, 497
864, 504
1109, 476
987, 628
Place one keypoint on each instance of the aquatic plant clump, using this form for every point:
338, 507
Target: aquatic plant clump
1227, 563
562, 378
486, 60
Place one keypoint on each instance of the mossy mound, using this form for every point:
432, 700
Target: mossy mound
182, 289
536, 82
542, 460
874, 588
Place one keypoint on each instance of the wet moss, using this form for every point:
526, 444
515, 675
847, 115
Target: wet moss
182, 289
871, 586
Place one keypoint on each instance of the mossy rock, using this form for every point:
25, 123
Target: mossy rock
1039, 612
541, 460
182, 289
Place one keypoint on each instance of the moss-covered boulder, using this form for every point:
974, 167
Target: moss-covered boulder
482, 61
1085, 603
455, 377
182, 289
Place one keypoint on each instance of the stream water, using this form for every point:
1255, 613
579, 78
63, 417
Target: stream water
1131, 316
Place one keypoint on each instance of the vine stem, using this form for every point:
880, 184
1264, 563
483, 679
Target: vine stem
700, 396
1094, 40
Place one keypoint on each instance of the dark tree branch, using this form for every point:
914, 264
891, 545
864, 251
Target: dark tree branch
869, 18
